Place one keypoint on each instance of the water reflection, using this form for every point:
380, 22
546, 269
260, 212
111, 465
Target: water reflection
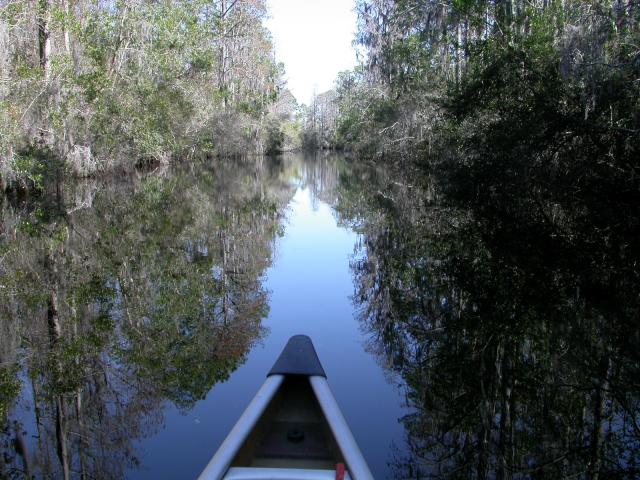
513, 368
122, 303
118, 298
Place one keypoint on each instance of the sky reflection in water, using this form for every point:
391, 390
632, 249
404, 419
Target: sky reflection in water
311, 287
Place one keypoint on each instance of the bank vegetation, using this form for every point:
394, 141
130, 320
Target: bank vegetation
90, 87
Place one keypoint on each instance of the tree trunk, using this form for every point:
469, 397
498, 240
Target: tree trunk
44, 36
458, 53
223, 53
65, 31
597, 433
505, 461
53, 321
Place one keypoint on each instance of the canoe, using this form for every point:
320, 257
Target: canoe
292, 429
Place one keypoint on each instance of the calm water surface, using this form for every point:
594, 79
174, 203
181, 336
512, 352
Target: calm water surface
311, 286
139, 317
143, 316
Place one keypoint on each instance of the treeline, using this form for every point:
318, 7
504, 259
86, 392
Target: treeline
318, 122
429, 67
113, 84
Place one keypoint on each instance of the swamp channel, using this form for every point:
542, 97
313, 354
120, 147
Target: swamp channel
139, 316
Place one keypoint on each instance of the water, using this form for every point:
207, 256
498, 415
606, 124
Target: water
152, 279
311, 287
139, 317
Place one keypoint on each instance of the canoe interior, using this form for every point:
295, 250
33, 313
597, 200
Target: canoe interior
292, 432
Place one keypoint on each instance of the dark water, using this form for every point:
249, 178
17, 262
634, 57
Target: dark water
138, 318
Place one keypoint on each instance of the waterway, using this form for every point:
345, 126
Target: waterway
139, 316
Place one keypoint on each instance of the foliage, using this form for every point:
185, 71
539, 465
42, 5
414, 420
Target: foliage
531, 153
319, 122
119, 85
509, 306
417, 55
9, 388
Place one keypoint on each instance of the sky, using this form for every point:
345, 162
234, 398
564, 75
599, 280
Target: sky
313, 40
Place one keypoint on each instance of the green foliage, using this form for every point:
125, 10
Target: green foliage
183, 367
275, 139
534, 154
362, 120
291, 131
132, 84
31, 168
33, 225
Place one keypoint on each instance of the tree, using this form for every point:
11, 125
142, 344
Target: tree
93, 87
512, 366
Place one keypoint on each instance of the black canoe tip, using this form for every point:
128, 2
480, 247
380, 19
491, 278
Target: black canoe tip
298, 358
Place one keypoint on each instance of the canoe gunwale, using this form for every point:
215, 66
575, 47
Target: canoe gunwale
356, 463
219, 464
298, 359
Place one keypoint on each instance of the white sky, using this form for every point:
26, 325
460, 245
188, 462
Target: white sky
313, 40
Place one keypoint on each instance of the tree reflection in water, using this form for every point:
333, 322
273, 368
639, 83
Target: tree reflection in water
516, 364
118, 298
518, 355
